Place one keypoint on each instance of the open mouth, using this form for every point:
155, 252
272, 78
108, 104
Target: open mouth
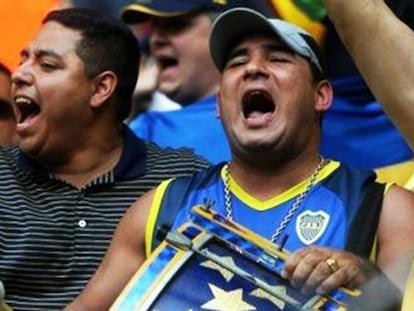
165, 62
257, 104
26, 109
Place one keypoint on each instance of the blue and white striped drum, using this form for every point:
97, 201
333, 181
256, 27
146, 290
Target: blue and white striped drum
211, 263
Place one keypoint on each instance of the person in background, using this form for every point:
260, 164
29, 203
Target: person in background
186, 74
109, 7
146, 95
7, 121
382, 47
273, 92
77, 167
355, 130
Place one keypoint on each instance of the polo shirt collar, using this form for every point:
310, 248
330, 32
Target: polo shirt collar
131, 164
133, 158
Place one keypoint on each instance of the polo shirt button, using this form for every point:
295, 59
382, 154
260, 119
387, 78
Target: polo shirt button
82, 223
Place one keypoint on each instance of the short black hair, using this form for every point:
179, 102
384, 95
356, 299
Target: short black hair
318, 74
106, 44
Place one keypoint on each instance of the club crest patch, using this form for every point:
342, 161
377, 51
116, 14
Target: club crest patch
311, 225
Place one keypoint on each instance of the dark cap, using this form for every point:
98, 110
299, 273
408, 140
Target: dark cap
237, 23
142, 10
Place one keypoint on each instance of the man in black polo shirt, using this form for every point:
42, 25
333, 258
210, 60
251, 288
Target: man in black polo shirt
77, 168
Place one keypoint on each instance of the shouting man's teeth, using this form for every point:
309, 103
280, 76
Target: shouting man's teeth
27, 109
23, 101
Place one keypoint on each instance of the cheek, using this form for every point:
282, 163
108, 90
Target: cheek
288, 79
198, 59
62, 100
227, 108
184, 45
193, 46
230, 80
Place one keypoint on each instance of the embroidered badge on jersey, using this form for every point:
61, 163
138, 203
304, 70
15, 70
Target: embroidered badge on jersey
311, 225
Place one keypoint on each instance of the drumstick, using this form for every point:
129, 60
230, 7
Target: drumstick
182, 242
3, 305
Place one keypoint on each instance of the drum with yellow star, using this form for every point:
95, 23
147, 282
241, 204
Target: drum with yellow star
212, 263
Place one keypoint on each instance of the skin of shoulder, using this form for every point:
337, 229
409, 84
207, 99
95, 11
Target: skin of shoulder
395, 232
124, 256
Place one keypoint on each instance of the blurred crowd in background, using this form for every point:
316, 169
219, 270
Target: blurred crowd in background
359, 125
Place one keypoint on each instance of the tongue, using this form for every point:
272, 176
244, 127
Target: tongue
28, 119
255, 114
258, 118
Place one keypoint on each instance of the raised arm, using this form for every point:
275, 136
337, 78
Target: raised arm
383, 49
125, 254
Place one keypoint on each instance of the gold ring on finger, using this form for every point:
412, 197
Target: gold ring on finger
332, 264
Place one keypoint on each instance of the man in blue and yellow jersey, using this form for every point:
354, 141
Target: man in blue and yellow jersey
273, 92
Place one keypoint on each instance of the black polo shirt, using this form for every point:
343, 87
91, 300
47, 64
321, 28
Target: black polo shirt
53, 235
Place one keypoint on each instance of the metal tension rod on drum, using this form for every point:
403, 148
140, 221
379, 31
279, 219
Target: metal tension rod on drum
182, 242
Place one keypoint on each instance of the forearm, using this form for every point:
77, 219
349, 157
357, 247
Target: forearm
382, 48
379, 294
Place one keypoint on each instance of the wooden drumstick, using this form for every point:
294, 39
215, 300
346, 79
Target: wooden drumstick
3, 305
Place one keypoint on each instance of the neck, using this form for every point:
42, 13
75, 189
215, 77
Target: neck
86, 165
266, 183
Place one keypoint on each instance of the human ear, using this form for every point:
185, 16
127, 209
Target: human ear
104, 86
323, 95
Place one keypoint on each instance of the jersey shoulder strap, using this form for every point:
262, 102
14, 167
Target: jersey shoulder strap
174, 199
363, 229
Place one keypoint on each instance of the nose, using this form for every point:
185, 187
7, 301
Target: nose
158, 37
256, 68
22, 75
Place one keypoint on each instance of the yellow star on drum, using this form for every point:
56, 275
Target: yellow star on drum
281, 290
225, 301
227, 275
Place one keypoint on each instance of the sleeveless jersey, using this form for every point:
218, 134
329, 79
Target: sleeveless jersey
341, 210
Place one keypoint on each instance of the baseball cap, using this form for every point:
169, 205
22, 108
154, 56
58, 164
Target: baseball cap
237, 23
142, 10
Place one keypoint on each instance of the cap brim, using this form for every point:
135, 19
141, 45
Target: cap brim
137, 13
230, 27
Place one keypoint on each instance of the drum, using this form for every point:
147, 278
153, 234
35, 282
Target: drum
211, 263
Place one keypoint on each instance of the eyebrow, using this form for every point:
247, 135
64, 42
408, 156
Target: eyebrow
268, 47
236, 52
41, 53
